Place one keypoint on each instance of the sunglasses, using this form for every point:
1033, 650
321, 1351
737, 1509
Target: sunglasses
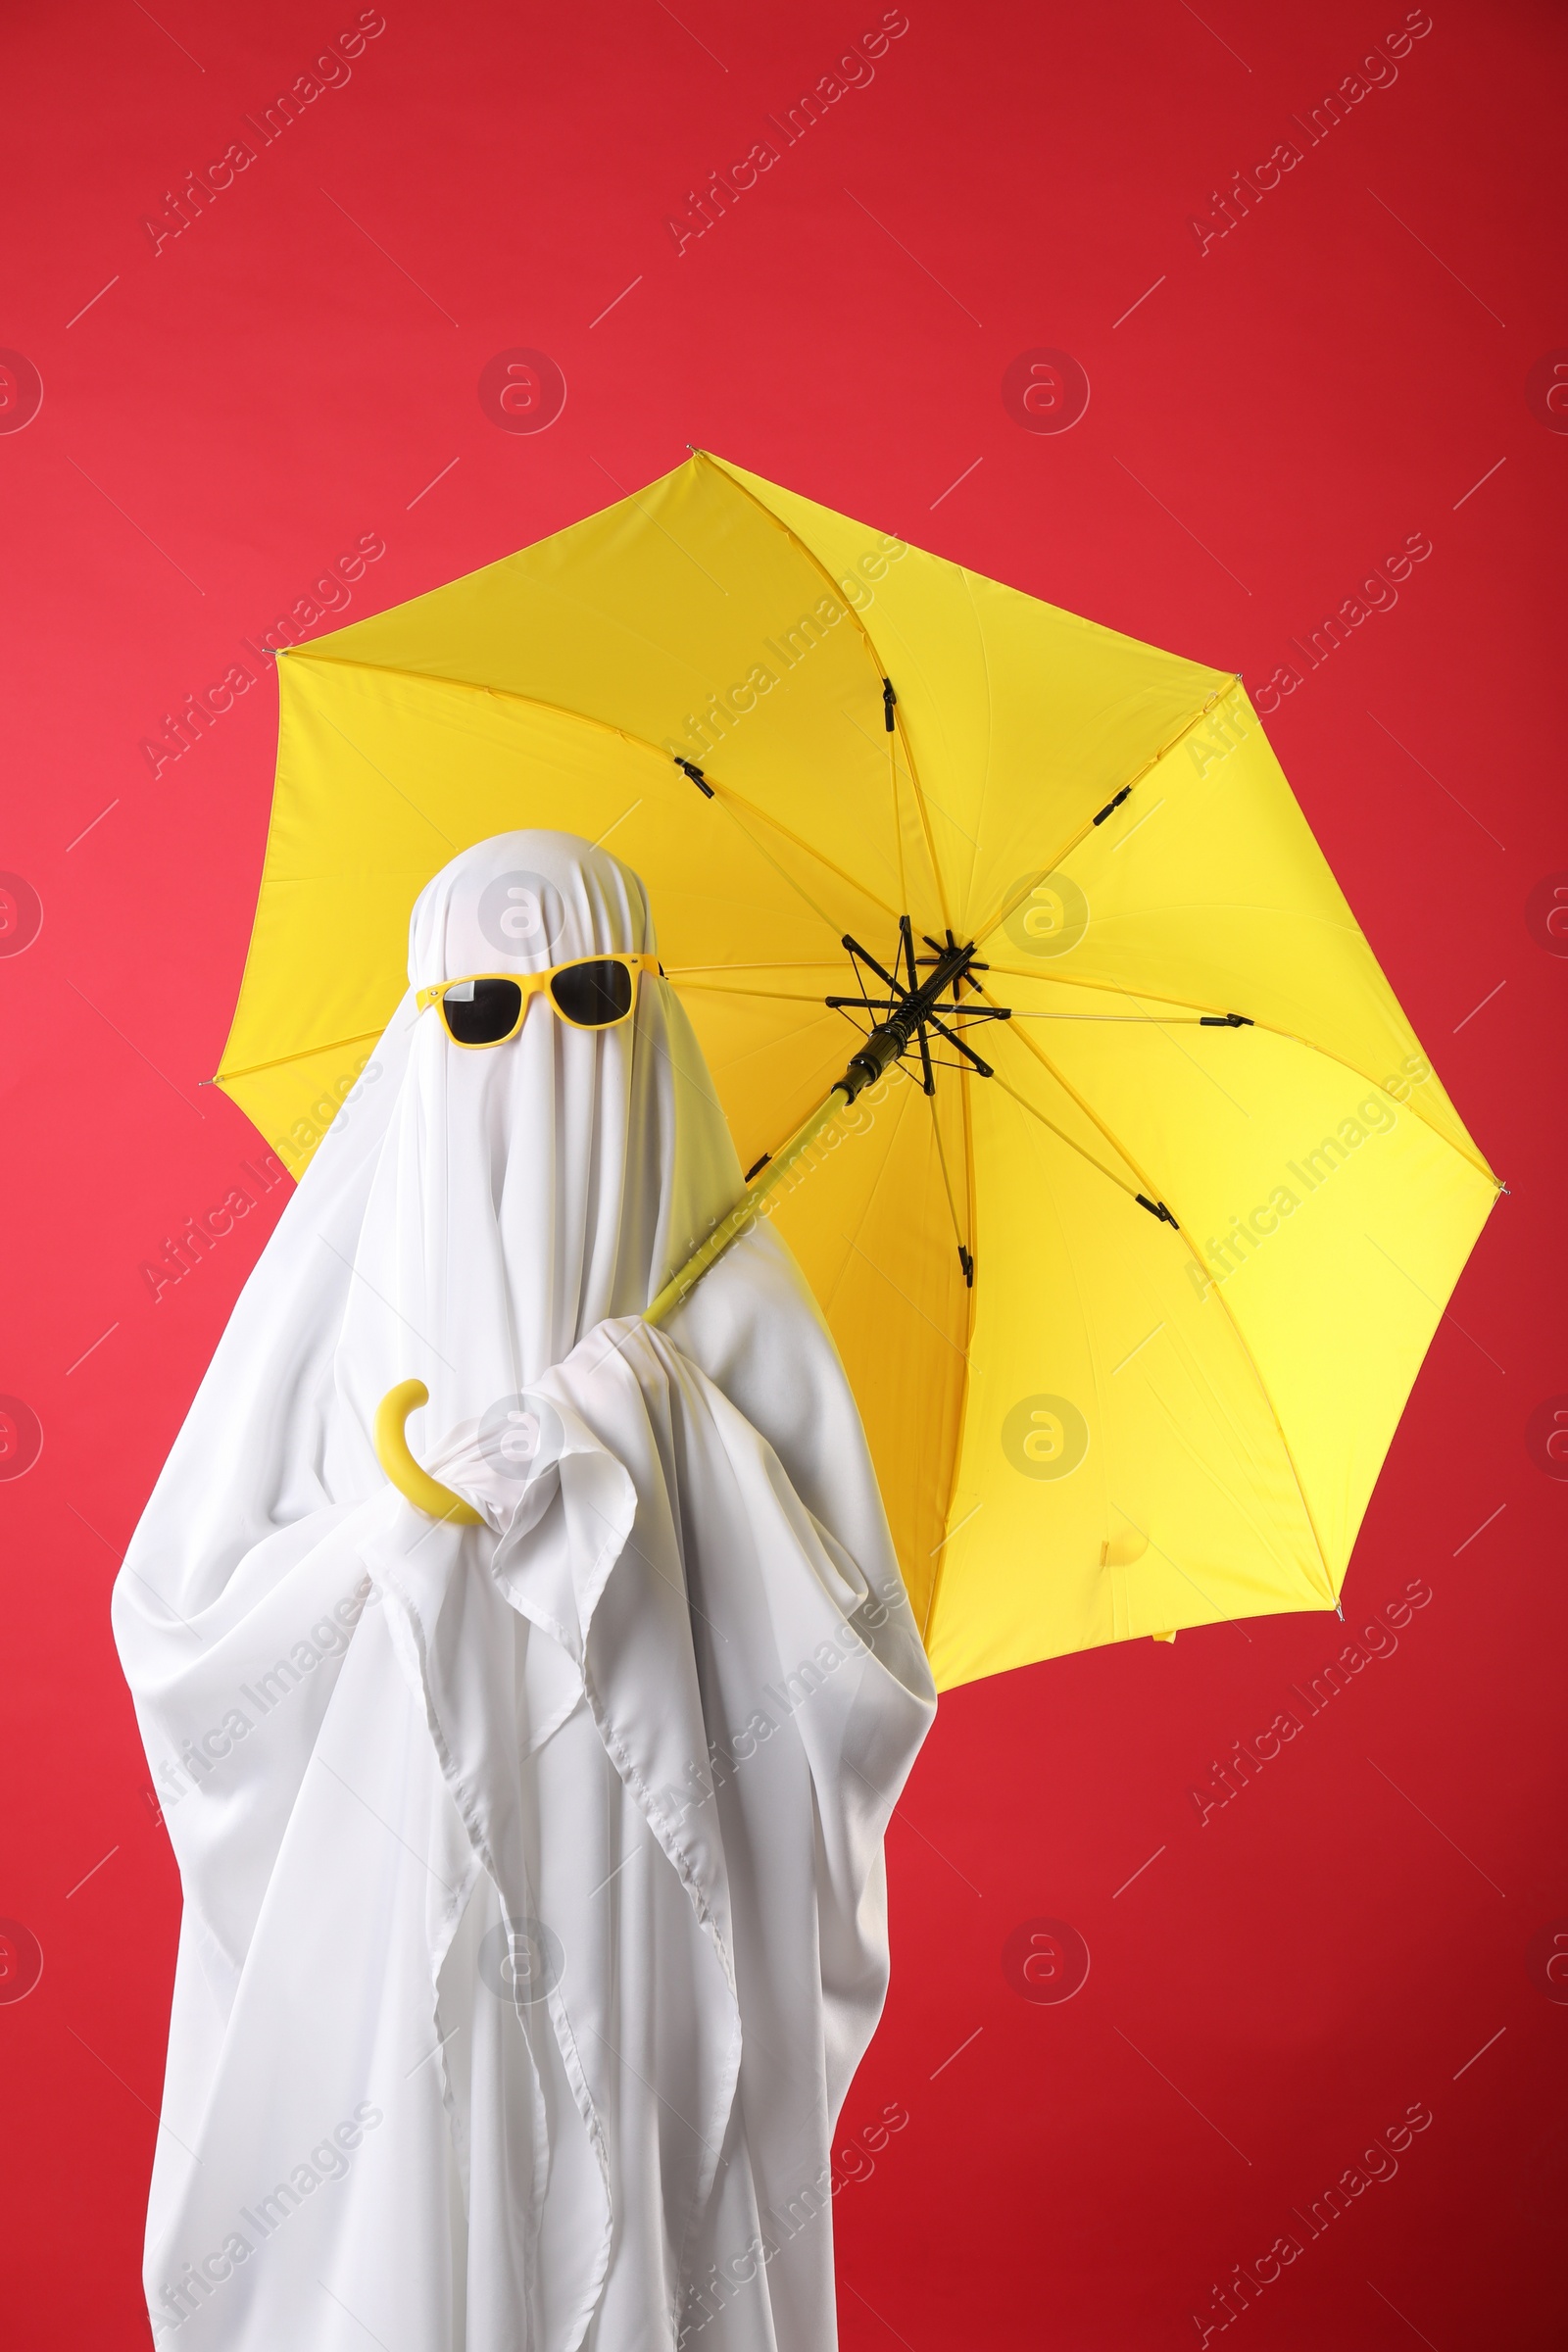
596, 991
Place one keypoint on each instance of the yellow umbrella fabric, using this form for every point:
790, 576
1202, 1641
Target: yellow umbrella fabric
796, 727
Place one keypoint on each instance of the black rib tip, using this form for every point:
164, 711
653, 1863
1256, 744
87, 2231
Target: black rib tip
689, 767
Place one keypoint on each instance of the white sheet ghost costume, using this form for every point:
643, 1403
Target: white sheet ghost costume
535, 1914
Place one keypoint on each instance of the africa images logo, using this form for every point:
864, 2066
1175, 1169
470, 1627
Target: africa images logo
21, 391
522, 390
1050, 914
521, 914
1045, 1436
516, 1436
1046, 391
20, 1960
21, 914
21, 1436
1045, 1961
521, 1961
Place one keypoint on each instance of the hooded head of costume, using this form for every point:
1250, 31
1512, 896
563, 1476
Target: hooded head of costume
527, 1192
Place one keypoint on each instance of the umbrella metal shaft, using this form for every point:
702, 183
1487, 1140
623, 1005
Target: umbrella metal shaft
746, 1211
886, 1043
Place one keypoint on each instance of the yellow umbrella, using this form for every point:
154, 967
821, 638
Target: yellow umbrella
1131, 1309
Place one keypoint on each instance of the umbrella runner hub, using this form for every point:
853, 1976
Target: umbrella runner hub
913, 1007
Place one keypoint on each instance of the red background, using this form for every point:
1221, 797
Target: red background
1283, 409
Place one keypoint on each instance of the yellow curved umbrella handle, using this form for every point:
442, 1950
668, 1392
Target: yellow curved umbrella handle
417, 1486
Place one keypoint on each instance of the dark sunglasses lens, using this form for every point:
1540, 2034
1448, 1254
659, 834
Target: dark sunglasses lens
486, 1014
593, 994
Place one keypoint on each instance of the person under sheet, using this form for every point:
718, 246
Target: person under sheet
535, 1909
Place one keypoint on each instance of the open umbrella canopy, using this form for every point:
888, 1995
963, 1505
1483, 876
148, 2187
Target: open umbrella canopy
1132, 1307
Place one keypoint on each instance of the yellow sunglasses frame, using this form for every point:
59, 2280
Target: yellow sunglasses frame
534, 984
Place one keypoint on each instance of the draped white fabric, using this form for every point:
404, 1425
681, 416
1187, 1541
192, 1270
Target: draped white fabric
535, 1917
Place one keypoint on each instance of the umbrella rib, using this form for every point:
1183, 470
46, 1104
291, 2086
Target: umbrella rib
726, 794
333, 1044
1268, 1398
971, 1296
898, 731
717, 988
1132, 1020
1212, 1287
1115, 1143
1012, 905
674, 974
968, 578
727, 800
853, 1238
737, 1061
1149, 996
723, 792
1473, 1159
901, 736
508, 694
890, 710
946, 1181
1116, 988
1061, 1135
